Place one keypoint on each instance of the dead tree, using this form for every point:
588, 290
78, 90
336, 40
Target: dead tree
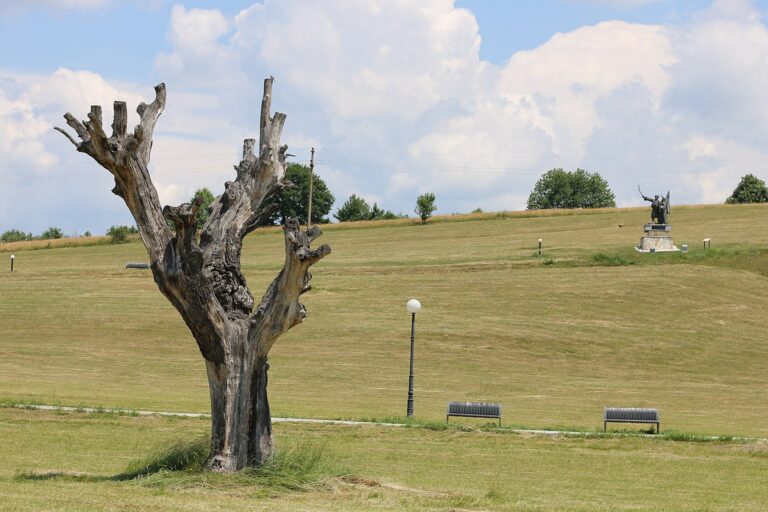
203, 279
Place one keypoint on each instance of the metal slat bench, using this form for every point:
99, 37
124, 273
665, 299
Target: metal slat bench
630, 415
473, 410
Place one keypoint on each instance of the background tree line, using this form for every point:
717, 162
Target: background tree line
15, 235
556, 188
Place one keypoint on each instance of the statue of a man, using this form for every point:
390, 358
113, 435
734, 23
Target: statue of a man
659, 208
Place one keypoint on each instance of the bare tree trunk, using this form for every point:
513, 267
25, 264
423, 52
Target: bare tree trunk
262, 444
241, 424
203, 280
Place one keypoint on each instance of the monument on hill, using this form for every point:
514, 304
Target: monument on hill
657, 236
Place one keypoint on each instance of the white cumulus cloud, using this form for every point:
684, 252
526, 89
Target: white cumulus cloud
401, 102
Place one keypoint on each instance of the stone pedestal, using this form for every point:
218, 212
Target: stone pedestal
657, 238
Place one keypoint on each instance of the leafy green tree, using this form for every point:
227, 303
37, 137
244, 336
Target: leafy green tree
205, 207
14, 235
292, 201
52, 233
354, 208
563, 189
425, 205
750, 189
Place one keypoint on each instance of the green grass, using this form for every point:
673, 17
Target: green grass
600, 325
78, 462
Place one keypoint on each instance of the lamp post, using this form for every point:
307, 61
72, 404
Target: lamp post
539, 246
12, 258
413, 306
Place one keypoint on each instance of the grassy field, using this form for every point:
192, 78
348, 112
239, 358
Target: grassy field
554, 338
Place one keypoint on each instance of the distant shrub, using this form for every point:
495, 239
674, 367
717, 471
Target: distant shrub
52, 233
379, 214
356, 209
14, 235
119, 234
548, 261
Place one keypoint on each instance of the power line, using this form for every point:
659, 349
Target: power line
487, 156
97, 174
374, 165
416, 168
492, 170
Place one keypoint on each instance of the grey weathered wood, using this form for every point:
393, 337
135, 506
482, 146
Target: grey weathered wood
202, 278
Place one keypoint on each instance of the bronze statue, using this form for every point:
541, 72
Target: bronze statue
659, 207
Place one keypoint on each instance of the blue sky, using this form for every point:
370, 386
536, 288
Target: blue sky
471, 99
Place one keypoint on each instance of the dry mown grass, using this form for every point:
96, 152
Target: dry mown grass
554, 343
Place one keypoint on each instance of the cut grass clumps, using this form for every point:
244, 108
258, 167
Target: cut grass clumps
298, 467
186, 455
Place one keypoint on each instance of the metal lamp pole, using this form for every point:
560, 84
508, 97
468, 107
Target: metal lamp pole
413, 306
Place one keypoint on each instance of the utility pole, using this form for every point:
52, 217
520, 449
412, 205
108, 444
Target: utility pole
311, 171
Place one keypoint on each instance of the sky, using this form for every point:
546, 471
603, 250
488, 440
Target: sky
472, 100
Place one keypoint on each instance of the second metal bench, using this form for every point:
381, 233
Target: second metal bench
474, 410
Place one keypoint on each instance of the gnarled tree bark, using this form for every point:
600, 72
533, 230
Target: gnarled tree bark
203, 279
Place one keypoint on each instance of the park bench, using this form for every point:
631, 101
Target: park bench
630, 415
131, 264
474, 410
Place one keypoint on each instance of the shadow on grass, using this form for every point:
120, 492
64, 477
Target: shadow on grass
297, 467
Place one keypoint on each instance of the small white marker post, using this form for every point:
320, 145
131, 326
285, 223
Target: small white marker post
12, 258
